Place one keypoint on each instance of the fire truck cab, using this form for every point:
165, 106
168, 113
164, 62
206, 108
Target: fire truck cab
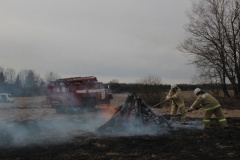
72, 93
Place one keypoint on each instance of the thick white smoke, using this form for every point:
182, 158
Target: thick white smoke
49, 129
43, 126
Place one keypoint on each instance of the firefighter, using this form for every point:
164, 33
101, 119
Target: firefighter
175, 95
211, 106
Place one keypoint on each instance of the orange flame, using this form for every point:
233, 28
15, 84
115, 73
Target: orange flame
108, 111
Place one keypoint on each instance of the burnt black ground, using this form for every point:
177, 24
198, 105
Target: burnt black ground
179, 144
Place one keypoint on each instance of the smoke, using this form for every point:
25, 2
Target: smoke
128, 129
51, 129
26, 126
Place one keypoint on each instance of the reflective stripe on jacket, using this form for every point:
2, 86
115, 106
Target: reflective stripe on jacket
222, 120
217, 106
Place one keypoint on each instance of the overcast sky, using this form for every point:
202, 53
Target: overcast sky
126, 40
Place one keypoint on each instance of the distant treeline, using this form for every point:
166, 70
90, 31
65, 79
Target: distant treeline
32, 89
22, 86
21, 91
29, 83
141, 88
153, 93
24, 83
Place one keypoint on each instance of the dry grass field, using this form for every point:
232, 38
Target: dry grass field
34, 107
228, 110
30, 108
30, 129
24, 108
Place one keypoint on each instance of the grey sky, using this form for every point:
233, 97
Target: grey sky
111, 39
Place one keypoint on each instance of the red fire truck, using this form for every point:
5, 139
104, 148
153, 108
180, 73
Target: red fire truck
70, 94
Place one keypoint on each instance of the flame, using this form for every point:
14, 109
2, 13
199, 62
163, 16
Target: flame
108, 111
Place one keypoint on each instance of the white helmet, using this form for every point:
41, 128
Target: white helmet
173, 86
196, 91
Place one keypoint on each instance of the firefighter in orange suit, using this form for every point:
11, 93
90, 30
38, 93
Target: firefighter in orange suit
211, 106
175, 94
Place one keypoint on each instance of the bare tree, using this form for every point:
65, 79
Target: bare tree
32, 79
2, 77
29, 78
231, 29
211, 23
51, 76
10, 75
23, 76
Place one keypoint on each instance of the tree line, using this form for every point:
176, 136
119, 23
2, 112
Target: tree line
152, 90
29, 83
24, 83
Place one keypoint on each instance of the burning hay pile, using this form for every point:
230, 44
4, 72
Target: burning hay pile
134, 116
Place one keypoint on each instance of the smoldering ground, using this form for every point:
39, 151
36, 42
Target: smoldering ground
151, 129
33, 123
47, 135
44, 134
28, 128
20, 127
189, 144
